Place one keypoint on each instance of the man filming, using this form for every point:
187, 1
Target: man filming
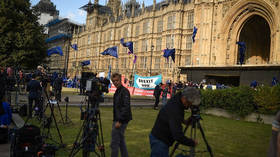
122, 115
168, 125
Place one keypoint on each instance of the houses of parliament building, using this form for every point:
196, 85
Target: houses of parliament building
214, 55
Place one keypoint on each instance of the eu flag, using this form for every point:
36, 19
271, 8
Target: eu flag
129, 45
55, 50
75, 47
194, 33
169, 52
242, 49
112, 51
84, 63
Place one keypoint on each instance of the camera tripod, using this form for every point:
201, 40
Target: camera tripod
90, 135
195, 123
46, 121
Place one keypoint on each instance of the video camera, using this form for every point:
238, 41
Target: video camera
95, 87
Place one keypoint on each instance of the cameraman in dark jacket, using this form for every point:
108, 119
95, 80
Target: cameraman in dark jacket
122, 115
168, 125
34, 88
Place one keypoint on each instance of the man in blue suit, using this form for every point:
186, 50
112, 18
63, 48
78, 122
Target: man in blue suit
34, 88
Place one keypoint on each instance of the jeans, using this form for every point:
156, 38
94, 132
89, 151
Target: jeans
157, 101
158, 148
164, 101
118, 141
30, 101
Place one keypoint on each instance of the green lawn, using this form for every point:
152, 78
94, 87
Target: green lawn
228, 138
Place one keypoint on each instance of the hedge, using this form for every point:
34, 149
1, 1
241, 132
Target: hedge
243, 100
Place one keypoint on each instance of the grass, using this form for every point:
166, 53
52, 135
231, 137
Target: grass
228, 138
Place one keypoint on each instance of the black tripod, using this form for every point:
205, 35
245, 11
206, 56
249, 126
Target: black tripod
67, 119
195, 123
91, 139
47, 121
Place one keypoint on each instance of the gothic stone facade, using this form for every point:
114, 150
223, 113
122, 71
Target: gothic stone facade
169, 24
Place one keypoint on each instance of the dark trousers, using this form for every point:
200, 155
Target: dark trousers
158, 148
118, 141
30, 102
157, 101
57, 94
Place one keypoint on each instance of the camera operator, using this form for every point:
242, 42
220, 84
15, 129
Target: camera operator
168, 128
34, 88
122, 115
57, 85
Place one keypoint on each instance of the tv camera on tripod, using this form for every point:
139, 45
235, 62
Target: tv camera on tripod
90, 136
194, 123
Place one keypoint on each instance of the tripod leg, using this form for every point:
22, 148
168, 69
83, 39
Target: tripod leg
59, 109
204, 138
177, 144
52, 114
102, 149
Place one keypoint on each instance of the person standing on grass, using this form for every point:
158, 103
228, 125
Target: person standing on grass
34, 88
58, 82
168, 126
274, 148
121, 116
157, 93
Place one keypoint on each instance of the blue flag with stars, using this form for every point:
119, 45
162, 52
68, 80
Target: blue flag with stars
112, 51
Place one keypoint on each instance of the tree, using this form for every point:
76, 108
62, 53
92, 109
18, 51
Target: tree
22, 41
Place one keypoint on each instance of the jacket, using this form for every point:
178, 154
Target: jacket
157, 91
168, 125
34, 88
121, 107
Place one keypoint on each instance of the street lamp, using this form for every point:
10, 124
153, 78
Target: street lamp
152, 48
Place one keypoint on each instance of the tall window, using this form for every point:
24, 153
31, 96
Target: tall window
88, 53
137, 30
119, 34
159, 26
104, 38
143, 62
144, 45
98, 37
123, 64
146, 27
190, 20
189, 42
125, 31
135, 46
188, 60
168, 63
117, 64
89, 39
170, 41
171, 21
110, 36
159, 41
157, 62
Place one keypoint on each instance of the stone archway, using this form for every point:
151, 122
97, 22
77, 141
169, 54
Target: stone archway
256, 34
237, 19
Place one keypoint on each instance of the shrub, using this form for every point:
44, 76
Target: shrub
238, 100
268, 99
